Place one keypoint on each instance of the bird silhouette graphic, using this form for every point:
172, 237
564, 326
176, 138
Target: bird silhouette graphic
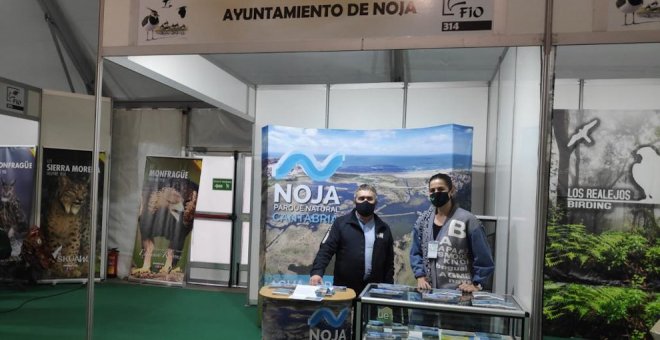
582, 133
150, 22
645, 173
629, 7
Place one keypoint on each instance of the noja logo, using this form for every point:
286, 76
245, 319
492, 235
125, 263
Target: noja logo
329, 317
316, 170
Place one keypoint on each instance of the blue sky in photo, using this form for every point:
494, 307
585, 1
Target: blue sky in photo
442, 139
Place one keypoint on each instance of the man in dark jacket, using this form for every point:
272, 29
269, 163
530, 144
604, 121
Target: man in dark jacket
362, 243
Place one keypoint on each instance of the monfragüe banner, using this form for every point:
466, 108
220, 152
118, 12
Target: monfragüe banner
167, 211
17, 174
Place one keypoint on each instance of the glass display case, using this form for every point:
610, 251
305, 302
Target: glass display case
387, 311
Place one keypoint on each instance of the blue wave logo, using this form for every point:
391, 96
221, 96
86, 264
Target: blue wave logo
318, 171
329, 317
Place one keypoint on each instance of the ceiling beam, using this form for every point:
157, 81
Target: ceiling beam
58, 24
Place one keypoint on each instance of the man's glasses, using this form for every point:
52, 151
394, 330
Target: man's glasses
369, 199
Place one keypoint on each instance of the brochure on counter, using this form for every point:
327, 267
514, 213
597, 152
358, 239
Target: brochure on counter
306, 292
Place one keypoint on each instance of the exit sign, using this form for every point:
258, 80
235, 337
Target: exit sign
222, 184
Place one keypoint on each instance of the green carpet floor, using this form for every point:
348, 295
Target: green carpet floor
126, 311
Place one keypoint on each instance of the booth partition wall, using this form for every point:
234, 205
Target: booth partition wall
492, 90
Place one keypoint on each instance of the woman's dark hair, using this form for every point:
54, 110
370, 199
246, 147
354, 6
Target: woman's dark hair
443, 177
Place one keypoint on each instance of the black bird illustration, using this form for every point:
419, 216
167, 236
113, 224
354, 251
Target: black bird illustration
167, 3
644, 173
182, 11
629, 7
150, 22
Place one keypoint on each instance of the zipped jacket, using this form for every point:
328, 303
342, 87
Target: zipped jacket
345, 239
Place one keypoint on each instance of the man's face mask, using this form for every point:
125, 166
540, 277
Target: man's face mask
365, 208
439, 198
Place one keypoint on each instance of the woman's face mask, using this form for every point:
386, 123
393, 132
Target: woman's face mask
439, 198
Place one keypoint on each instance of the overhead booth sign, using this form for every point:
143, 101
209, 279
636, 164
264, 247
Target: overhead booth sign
209, 21
310, 175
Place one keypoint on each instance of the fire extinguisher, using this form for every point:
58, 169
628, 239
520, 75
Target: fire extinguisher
113, 255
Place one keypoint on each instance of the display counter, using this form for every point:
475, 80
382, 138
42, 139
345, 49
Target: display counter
285, 318
385, 311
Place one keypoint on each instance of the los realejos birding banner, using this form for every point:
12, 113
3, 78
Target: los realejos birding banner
602, 255
310, 175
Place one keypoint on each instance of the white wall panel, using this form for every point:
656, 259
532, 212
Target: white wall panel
515, 187
247, 184
245, 242
216, 201
502, 185
524, 167
464, 103
491, 146
298, 106
211, 241
567, 94
252, 96
608, 94
622, 94
67, 121
366, 106
18, 131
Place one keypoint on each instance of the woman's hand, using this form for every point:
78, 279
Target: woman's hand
422, 283
468, 287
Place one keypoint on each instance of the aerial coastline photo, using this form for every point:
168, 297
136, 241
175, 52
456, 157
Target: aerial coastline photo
299, 209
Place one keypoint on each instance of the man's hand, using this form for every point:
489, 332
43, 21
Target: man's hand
315, 280
422, 283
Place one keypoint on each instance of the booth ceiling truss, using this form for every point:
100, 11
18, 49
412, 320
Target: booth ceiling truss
74, 23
